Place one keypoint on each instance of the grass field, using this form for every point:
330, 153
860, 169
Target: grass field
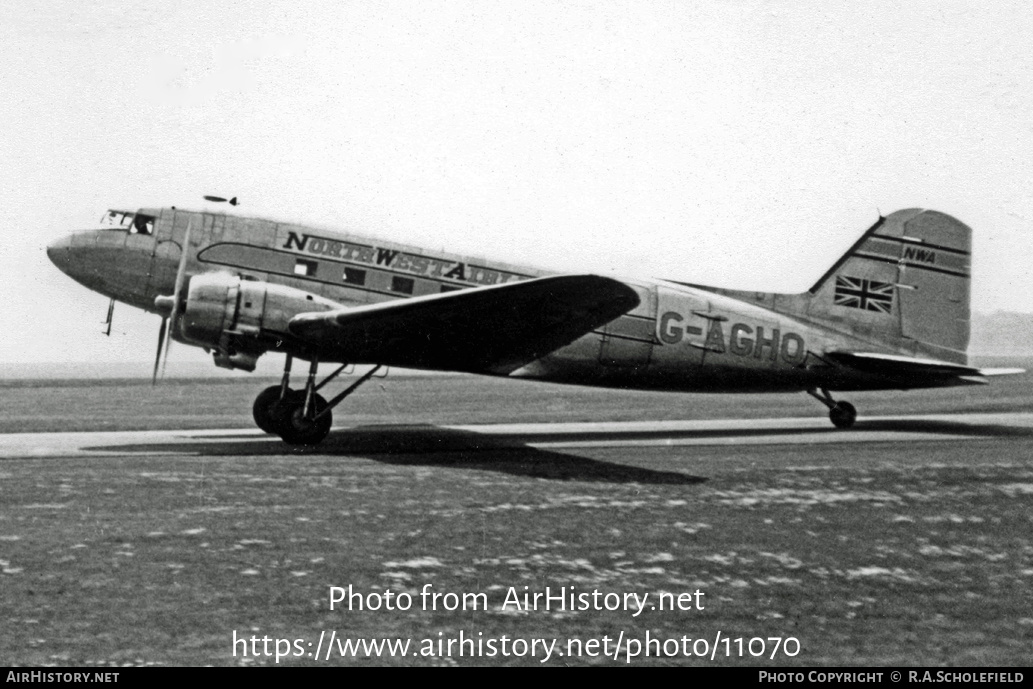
868, 554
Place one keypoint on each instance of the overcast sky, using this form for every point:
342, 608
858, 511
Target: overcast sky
743, 144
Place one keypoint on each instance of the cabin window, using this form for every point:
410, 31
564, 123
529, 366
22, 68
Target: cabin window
450, 288
305, 268
403, 285
354, 276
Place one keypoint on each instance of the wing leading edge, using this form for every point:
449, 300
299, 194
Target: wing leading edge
485, 330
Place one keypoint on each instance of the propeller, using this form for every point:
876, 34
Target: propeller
172, 305
111, 312
161, 340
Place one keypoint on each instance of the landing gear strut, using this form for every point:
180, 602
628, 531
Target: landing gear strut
842, 414
300, 417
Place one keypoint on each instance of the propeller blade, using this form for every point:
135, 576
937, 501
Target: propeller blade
107, 321
181, 271
157, 357
165, 336
168, 346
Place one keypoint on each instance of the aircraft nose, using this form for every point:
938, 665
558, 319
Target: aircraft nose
60, 251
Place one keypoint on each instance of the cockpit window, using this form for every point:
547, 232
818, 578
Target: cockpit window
143, 224
119, 219
129, 221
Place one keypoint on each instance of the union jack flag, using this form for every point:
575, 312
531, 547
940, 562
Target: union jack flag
864, 294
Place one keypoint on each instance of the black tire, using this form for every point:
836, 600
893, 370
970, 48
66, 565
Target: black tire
843, 415
268, 411
298, 430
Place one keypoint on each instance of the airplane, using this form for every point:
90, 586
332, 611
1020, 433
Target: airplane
891, 314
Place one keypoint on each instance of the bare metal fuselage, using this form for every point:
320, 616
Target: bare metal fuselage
679, 337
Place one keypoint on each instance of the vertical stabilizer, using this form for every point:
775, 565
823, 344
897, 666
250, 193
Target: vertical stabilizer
905, 283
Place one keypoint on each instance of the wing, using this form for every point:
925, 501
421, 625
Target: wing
493, 329
915, 372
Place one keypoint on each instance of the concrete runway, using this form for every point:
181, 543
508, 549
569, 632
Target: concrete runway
550, 436
904, 540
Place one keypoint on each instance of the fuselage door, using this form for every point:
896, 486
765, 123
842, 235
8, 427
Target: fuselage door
165, 254
682, 326
628, 340
169, 233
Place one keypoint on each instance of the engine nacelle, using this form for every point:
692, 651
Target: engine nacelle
233, 316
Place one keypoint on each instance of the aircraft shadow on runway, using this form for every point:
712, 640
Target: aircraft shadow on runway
945, 428
513, 454
426, 446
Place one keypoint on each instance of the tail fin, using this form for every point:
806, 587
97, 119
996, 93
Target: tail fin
905, 282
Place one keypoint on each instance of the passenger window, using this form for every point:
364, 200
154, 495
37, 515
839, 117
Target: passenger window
305, 268
403, 285
354, 276
450, 288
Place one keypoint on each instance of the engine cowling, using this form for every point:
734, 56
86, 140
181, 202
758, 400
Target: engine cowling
239, 319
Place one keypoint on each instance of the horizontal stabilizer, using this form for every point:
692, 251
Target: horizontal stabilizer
913, 372
492, 329
989, 372
895, 364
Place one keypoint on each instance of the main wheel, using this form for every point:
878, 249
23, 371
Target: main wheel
270, 412
297, 429
843, 415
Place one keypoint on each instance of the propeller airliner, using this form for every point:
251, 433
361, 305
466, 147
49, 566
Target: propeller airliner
891, 314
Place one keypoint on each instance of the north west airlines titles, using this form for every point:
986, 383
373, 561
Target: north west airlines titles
395, 259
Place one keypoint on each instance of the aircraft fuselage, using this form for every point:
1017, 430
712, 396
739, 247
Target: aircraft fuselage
679, 337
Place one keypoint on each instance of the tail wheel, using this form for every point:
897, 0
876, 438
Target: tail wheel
299, 429
843, 415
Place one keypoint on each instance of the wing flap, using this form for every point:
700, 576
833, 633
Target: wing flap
493, 329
